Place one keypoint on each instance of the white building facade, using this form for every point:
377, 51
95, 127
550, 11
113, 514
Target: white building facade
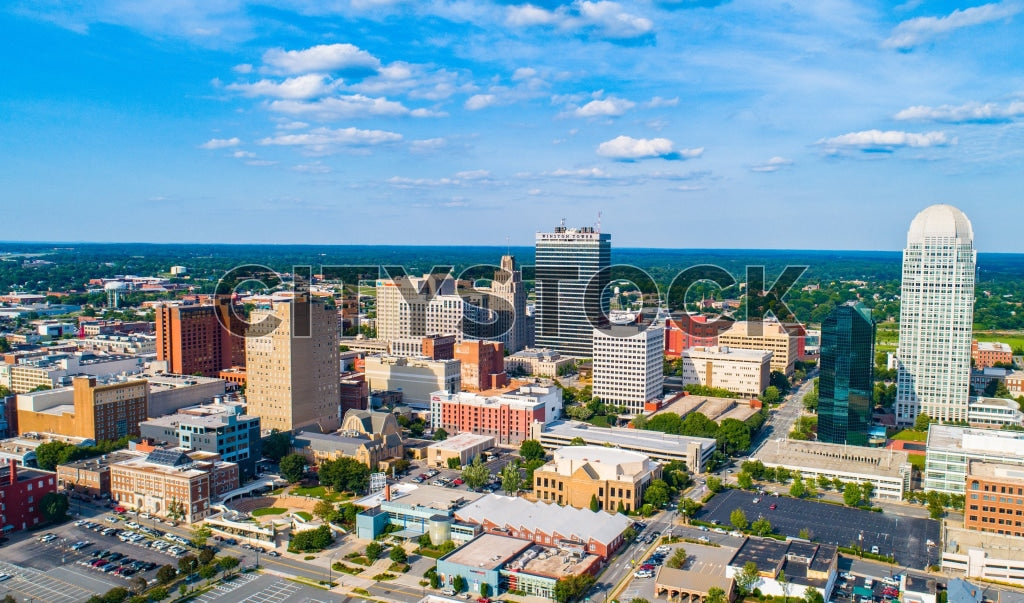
629, 366
936, 317
745, 372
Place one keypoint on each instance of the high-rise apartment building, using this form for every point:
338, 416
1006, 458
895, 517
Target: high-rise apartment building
292, 366
936, 317
846, 384
629, 366
193, 339
567, 260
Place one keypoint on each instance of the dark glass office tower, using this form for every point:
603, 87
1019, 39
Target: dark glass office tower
571, 277
846, 381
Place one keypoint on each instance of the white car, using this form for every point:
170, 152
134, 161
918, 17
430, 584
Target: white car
643, 574
4, 577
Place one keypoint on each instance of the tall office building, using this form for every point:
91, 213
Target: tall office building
293, 366
510, 319
846, 384
566, 262
193, 339
415, 307
936, 317
629, 365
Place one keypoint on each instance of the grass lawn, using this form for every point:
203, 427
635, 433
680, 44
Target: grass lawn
321, 493
916, 460
268, 511
305, 515
909, 435
1013, 339
599, 421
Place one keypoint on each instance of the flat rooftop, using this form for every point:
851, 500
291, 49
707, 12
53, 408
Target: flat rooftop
462, 441
625, 437
103, 461
996, 546
884, 462
954, 438
488, 552
1008, 474
556, 564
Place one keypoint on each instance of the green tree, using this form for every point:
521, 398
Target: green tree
511, 480
572, 587
823, 482
798, 490
5, 346
115, 595
761, 527
677, 560
531, 450
476, 474
323, 509
454, 462
784, 583
200, 534
206, 556
657, 494
277, 445
716, 595
226, 564
398, 555
866, 490
344, 474
207, 572
459, 584
804, 533
922, 422
733, 436
158, 594
54, 506
49, 454
485, 590
746, 578
744, 480
165, 574
813, 595
935, 510
440, 435
714, 484
187, 564
851, 494
293, 466
373, 550
738, 519
577, 441
595, 505
689, 507
771, 395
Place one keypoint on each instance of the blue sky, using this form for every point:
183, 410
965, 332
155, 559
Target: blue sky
688, 123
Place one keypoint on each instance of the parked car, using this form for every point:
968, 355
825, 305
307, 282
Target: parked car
273, 553
458, 482
5, 577
643, 574
773, 506
874, 550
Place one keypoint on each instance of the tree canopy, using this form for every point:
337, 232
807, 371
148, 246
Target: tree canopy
531, 450
344, 474
293, 466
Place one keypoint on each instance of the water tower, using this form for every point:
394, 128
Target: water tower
114, 289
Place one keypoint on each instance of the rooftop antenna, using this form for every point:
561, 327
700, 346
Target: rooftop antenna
508, 246
598, 226
562, 223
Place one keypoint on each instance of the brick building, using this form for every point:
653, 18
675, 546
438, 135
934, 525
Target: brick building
994, 498
166, 483
989, 353
91, 476
98, 412
684, 332
483, 365
508, 416
21, 491
193, 339
617, 479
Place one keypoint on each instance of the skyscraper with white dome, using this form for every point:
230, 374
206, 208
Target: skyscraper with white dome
936, 316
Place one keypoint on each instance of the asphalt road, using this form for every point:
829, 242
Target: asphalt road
904, 537
781, 420
623, 562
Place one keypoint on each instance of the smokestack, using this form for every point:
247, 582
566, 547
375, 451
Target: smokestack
14, 471
387, 491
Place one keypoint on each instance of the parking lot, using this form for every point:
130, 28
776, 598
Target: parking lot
706, 560
264, 588
903, 537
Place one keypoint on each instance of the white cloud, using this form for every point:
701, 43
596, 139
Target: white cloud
528, 14
325, 139
243, 154
610, 106
627, 148
292, 125
324, 57
314, 167
614, 21
594, 172
473, 175
480, 101
607, 17
915, 31
523, 73
427, 145
220, 143
967, 113
533, 192
427, 113
772, 165
301, 87
342, 107
657, 102
877, 140
243, 68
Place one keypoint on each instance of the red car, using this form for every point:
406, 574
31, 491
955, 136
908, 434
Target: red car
458, 481
119, 509
483, 600
773, 506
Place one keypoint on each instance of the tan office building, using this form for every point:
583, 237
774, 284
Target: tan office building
86, 410
770, 336
577, 474
745, 372
292, 366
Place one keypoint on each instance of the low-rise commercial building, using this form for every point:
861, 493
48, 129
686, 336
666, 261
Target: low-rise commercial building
745, 372
888, 470
218, 428
596, 533
577, 475
695, 452
990, 353
87, 409
57, 370
764, 335
417, 378
507, 414
950, 448
417, 510
683, 585
465, 447
790, 568
169, 392
168, 483
538, 362
318, 447
22, 449
21, 492
91, 476
994, 413
994, 500
984, 555
434, 347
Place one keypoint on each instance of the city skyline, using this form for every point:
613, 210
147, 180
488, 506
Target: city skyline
699, 124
